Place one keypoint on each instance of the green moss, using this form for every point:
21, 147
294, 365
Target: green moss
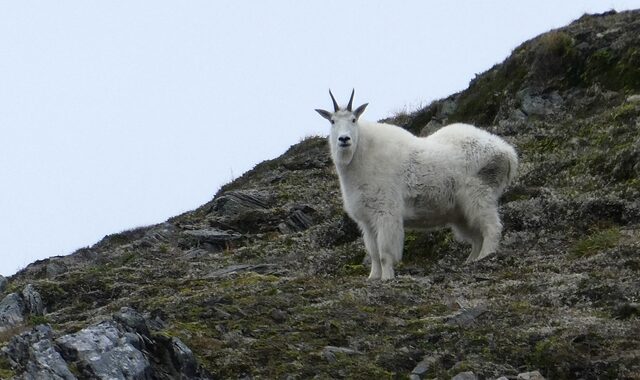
417, 120
520, 307
7, 374
482, 100
250, 279
355, 270
425, 248
50, 292
554, 60
38, 320
625, 113
554, 44
595, 242
554, 357
73, 368
614, 70
5, 368
542, 145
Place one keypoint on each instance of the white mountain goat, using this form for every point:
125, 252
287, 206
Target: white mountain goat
392, 180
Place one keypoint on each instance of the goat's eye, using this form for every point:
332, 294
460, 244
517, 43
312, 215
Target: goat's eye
353, 120
333, 121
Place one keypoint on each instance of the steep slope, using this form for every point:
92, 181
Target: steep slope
267, 280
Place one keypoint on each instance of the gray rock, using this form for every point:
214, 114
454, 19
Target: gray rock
342, 231
131, 320
3, 283
209, 239
540, 105
164, 233
534, 375
423, 367
465, 376
103, 352
329, 352
301, 218
11, 311
233, 269
122, 348
447, 108
33, 301
233, 203
183, 360
34, 354
55, 268
633, 98
278, 315
431, 127
467, 316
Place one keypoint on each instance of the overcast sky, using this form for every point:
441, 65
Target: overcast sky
118, 114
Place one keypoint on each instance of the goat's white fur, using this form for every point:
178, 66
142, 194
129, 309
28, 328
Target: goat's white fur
392, 180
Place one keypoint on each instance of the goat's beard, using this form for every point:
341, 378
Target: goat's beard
342, 156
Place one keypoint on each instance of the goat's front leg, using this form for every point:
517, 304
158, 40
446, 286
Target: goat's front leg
390, 243
371, 245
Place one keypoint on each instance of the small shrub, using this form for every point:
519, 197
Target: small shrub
554, 54
596, 242
5, 369
35, 320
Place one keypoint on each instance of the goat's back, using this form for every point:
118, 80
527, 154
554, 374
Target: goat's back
485, 154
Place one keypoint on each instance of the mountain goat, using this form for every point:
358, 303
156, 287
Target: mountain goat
391, 180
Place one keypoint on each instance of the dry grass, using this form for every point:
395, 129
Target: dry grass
7, 334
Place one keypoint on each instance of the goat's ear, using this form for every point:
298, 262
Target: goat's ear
325, 114
360, 110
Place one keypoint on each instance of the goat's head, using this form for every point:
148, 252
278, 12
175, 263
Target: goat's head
344, 129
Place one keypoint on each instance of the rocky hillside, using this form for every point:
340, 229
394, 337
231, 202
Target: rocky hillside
267, 281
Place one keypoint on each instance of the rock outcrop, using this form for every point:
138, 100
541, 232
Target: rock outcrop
120, 348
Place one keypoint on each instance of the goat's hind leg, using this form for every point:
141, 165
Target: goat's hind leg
481, 214
487, 222
491, 232
465, 234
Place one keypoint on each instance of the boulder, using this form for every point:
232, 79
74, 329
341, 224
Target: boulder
120, 348
212, 239
424, 366
34, 354
299, 219
104, 352
11, 311
465, 376
33, 301
534, 375
233, 203
3, 283
55, 268
467, 316
533, 103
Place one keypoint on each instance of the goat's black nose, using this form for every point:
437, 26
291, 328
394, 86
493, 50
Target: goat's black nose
344, 139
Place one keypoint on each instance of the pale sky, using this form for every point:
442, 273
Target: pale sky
118, 114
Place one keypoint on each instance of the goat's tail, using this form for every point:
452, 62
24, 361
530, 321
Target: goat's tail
508, 159
512, 171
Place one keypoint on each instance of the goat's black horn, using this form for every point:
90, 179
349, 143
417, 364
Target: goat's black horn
335, 104
351, 101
